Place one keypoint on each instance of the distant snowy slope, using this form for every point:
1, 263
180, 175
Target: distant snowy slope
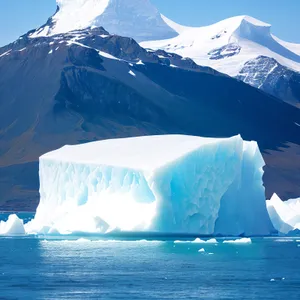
138, 19
227, 45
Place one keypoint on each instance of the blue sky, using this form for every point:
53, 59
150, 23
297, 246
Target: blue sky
19, 16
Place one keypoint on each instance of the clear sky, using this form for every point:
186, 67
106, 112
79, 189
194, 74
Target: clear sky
20, 16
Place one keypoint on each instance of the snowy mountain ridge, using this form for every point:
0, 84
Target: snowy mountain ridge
227, 45
138, 19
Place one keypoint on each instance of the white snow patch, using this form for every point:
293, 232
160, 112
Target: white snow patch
22, 49
107, 55
5, 53
132, 73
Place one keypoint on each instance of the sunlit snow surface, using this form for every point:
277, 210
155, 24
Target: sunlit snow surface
284, 215
138, 19
237, 39
166, 184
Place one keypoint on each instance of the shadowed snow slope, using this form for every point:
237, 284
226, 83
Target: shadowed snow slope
285, 216
138, 19
168, 184
228, 45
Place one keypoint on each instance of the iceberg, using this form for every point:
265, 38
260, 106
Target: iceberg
285, 216
165, 184
13, 226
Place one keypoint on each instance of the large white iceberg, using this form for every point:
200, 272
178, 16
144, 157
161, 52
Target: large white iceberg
285, 216
165, 184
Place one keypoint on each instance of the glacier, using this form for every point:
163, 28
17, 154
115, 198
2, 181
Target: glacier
285, 216
166, 184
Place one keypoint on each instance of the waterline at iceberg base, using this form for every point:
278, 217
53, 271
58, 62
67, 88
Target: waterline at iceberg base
171, 184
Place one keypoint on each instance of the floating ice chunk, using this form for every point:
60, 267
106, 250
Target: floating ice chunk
170, 184
201, 250
13, 226
50, 52
198, 241
82, 240
284, 240
285, 216
140, 63
239, 241
210, 241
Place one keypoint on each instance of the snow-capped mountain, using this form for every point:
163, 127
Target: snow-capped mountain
228, 46
87, 85
138, 19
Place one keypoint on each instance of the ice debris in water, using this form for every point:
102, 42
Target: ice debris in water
197, 241
238, 241
201, 250
169, 183
13, 226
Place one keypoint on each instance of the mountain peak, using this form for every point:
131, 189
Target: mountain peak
138, 19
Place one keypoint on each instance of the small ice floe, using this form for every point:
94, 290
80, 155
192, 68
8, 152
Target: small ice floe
198, 241
50, 52
56, 48
132, 73
201, 250
284, 240
210, 241
239, 241
210, 253
277, 279
140, 63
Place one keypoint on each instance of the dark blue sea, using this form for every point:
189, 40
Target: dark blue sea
77, 268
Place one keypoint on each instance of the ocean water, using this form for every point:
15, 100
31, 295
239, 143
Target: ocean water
77, 268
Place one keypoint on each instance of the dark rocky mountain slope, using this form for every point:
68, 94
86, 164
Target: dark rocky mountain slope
88, 85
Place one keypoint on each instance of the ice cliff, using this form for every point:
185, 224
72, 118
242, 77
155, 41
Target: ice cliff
285, 216
166, 184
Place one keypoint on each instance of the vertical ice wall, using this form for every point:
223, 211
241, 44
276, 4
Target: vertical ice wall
169, 184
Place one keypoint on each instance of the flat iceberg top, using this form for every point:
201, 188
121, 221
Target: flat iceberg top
143, 153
